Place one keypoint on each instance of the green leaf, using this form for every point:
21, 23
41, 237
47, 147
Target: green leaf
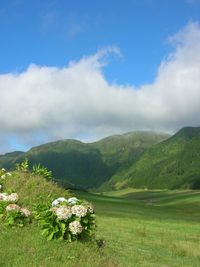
50, 237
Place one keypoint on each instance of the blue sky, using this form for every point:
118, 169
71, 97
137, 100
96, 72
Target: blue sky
121, 44
54, 32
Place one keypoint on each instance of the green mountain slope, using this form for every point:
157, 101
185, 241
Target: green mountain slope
126, 148
174, 163
74, 163
8, 160
71, 161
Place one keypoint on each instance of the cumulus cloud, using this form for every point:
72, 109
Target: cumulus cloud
48, 103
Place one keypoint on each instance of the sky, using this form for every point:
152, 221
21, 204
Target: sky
88, 69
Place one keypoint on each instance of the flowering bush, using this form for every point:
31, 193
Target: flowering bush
17, 216
68, 219
11, 213
14, 215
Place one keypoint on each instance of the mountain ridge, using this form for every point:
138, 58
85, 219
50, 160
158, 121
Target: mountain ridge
88, 164
141, 159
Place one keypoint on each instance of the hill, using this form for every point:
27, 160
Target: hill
25, 246
77, 164
8, 160
173, 163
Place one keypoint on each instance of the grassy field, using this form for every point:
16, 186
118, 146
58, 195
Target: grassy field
140, 228
150, 228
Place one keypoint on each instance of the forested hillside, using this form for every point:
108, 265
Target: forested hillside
77, 164
174, 163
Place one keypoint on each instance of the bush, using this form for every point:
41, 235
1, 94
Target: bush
68, 219
40, 170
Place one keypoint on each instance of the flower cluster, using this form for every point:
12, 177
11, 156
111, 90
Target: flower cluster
58, 201
14, 207
68, 219
75, 227
9, 198
63, 212
79, 210
11, 213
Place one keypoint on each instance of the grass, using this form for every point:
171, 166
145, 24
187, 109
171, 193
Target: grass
150, 228
140, 228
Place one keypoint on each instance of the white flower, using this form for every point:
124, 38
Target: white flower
3, 170
3, 176
3, 196
9, 198
1, 186
79, 210
75, 227
8, 174
72, 200
25, 212
63, 212
12, 207
13, 197
58, 201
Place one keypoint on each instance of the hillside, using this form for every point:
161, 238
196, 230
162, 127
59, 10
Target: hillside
174, 163
74, 163
8, 160
26, 246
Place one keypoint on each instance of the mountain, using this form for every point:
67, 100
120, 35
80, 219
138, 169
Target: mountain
8, 160
173, 163
77, 164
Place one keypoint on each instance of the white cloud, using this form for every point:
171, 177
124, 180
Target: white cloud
48, 103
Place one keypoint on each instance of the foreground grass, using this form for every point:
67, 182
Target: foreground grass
26, 247
140, 228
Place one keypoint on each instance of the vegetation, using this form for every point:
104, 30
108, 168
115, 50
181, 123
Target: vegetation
75, 164
150, 228
135, 228
138, 160
63, 219
174, 163
26, 247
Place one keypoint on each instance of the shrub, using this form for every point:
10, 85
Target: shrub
11, 213
69, 220
40, 170
23, 166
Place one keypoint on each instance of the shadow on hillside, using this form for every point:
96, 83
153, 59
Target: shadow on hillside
161, 196
149, 205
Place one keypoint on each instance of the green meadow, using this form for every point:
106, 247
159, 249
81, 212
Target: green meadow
158, 228
150, 228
